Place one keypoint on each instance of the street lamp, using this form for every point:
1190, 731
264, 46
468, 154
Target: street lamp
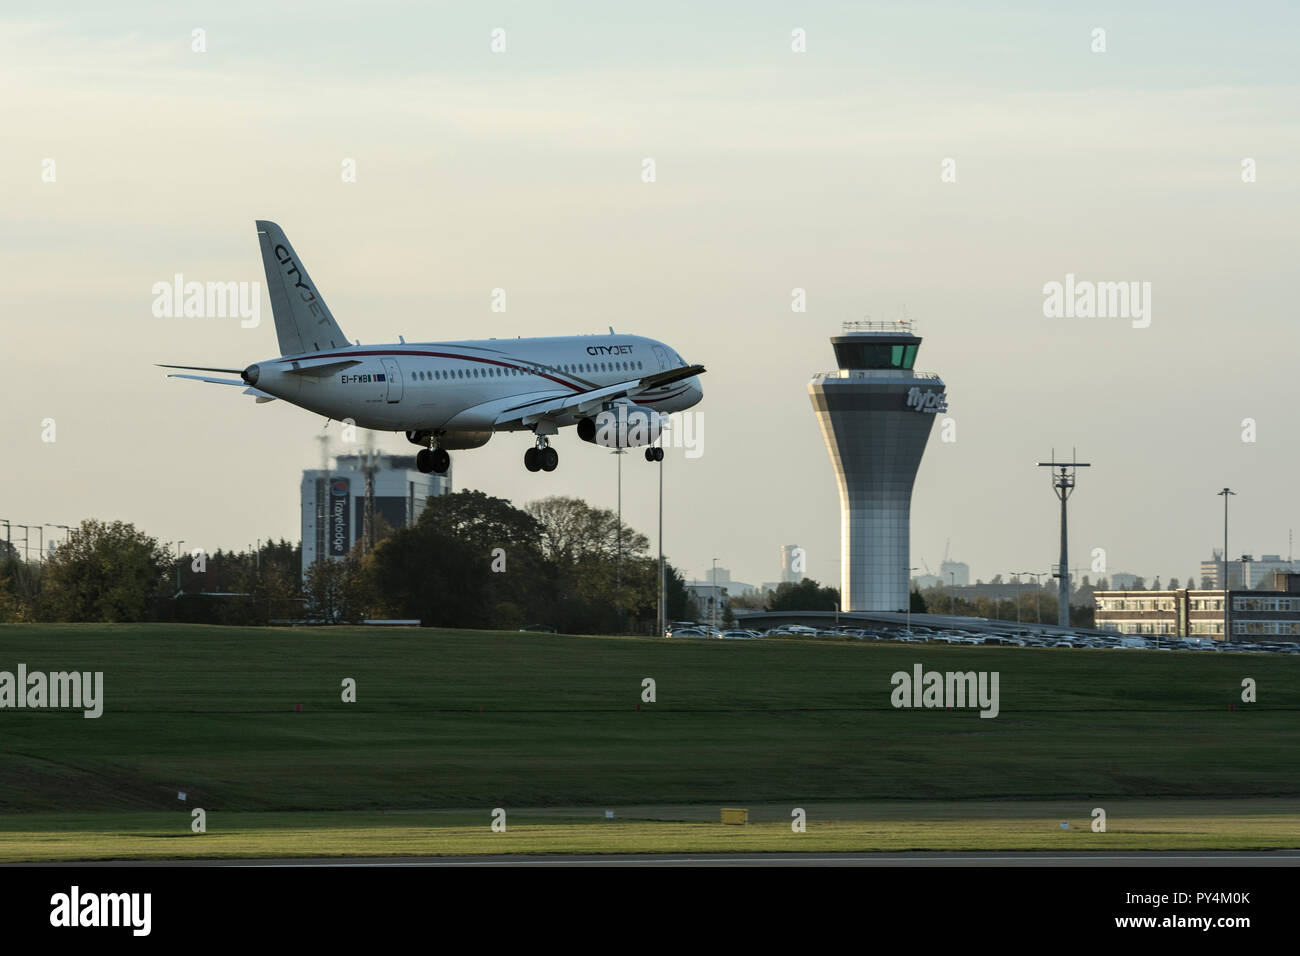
618, 558
618, 561
713, 601
178, 564
1038, 617
1224, 495
26, 535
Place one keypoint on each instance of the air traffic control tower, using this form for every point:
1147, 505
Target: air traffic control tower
875, 414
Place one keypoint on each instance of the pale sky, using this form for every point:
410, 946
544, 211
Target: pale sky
775, 170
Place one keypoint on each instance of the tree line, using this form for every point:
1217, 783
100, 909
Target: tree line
471, 560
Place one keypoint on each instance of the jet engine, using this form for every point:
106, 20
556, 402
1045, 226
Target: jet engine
623, 426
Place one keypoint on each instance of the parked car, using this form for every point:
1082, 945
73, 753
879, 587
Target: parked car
688, 632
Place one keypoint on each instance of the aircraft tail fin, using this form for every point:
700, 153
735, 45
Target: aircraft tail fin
303, 322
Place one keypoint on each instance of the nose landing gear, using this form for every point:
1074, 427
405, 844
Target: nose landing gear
654, 454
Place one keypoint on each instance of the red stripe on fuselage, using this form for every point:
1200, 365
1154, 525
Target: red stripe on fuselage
449, 355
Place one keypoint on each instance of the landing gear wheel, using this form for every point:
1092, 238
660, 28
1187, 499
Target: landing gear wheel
424, 460
659, 454
550, 459
649, 454
533, 459
441, 461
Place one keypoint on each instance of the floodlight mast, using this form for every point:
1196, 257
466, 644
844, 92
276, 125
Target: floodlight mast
1063, 484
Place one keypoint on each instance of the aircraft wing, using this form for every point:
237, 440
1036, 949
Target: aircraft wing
584, 403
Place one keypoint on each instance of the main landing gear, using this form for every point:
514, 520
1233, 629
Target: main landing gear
654, 454
432, 459
543, 457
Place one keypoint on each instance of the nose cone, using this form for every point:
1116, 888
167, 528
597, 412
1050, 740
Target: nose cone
250, 374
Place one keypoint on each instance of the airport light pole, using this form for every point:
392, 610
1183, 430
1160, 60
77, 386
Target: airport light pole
1038, 617
1063, 484
713, 601
9, 545
1016, 575
26, 535
909, 599
618, 558
40, 543
952, 593
618, 561
663, 604
178, 564
1224, 494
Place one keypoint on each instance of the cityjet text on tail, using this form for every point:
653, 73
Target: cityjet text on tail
615, 389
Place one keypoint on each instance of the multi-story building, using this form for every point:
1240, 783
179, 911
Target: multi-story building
1252, 614
1254, 572
793, 562
955, 573
334, 501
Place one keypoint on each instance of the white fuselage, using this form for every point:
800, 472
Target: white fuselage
465, 386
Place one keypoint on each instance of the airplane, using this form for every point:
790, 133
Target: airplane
616, 389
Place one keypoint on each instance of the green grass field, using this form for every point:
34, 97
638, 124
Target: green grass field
450, 724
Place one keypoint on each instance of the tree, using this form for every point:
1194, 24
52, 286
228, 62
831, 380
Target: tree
752, 601
104, 572
597, 586
338, 591
323, 588
805, 595
470, 561
676, 597
20, 590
